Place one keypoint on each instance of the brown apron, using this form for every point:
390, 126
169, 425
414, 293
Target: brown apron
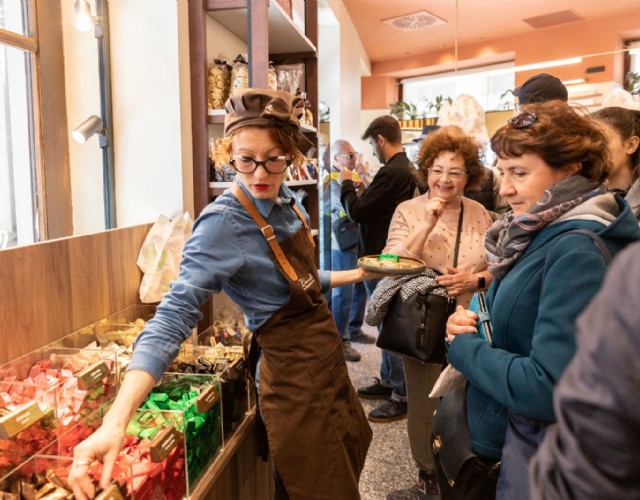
317, 431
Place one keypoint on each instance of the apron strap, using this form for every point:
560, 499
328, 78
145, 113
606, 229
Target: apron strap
267, 231
306, 226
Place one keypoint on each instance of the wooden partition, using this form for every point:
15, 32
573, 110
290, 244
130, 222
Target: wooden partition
51, 289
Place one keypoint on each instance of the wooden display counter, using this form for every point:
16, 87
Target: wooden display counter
51, 289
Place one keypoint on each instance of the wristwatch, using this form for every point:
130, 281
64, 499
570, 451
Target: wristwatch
482, 283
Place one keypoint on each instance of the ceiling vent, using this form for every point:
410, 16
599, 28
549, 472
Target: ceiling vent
414, 22
553, 19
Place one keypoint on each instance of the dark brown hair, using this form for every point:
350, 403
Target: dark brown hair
386, 126
626, 122
441, 141
560, 136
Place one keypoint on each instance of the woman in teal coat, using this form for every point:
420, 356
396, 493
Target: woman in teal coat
552, 161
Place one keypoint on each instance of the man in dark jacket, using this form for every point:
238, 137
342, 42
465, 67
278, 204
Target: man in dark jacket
394, 183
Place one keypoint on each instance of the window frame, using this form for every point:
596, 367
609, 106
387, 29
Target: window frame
44, 45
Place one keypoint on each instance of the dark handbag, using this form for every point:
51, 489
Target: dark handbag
461, 473
416, 327
346, 232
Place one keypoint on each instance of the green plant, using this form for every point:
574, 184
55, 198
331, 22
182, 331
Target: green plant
632, 80
440, 100
397, 109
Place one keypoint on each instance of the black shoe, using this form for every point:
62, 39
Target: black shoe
390, 411
362, 338
350, 354
375, 391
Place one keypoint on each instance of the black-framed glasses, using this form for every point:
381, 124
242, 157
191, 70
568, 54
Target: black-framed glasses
248, 165
349, 156
523, 120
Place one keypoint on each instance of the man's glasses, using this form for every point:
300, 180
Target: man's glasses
455, 175
248, 165
349, 156
523, 120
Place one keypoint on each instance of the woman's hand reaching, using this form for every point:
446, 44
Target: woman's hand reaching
434, 209
460, 322
103, 446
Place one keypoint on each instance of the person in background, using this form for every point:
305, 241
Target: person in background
426, 228
254, 243
347, 302
592, 450
540, 88
394, 183
553, 163
622, 127
486, 192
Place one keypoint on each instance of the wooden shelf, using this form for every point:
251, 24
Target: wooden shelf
289, 40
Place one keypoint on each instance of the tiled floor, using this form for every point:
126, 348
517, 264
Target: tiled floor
389, 466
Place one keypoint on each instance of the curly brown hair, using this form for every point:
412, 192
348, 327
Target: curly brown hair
284, 139
560, 135
442, 141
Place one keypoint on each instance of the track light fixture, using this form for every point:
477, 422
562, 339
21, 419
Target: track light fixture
92, 125
84, 18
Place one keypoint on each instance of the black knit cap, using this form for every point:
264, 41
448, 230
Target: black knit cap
266, 108
541, 88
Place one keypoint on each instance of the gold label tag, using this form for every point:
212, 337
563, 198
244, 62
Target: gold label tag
111, 492
20, 419
207, 398
90, 376
164, 443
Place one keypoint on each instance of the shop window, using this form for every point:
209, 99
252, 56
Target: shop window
30, 78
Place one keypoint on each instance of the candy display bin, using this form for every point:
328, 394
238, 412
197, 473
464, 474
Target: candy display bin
124, 326
83, 378
198, 398
27, 422
151, 463
47, 477
229, 364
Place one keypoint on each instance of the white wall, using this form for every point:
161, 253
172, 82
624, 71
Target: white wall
342, 59
151, 113
83, 100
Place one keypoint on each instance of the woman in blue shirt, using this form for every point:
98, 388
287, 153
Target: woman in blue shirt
254, 243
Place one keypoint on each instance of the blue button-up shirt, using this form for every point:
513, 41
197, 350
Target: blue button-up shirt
226, 251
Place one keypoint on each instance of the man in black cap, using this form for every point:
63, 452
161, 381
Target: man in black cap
540, 88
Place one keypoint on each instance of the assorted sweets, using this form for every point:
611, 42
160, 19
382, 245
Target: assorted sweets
391, 264
198, 398
54, 398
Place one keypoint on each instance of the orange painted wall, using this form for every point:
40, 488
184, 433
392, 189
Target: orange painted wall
569, 40
379, 91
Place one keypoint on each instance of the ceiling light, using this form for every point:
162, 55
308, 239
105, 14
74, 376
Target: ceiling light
575, 81
548, 64
84, 19
92, 125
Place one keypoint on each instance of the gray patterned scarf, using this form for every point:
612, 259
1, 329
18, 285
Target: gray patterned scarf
509, 237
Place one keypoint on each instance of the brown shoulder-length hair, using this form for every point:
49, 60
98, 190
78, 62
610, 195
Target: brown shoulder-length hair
558, 134
284, 139
440, 142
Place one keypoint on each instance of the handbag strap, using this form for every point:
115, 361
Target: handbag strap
457, 247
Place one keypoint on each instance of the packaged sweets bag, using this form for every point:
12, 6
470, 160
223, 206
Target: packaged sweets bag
218, 83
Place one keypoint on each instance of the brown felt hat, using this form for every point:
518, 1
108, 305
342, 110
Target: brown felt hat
266, 108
